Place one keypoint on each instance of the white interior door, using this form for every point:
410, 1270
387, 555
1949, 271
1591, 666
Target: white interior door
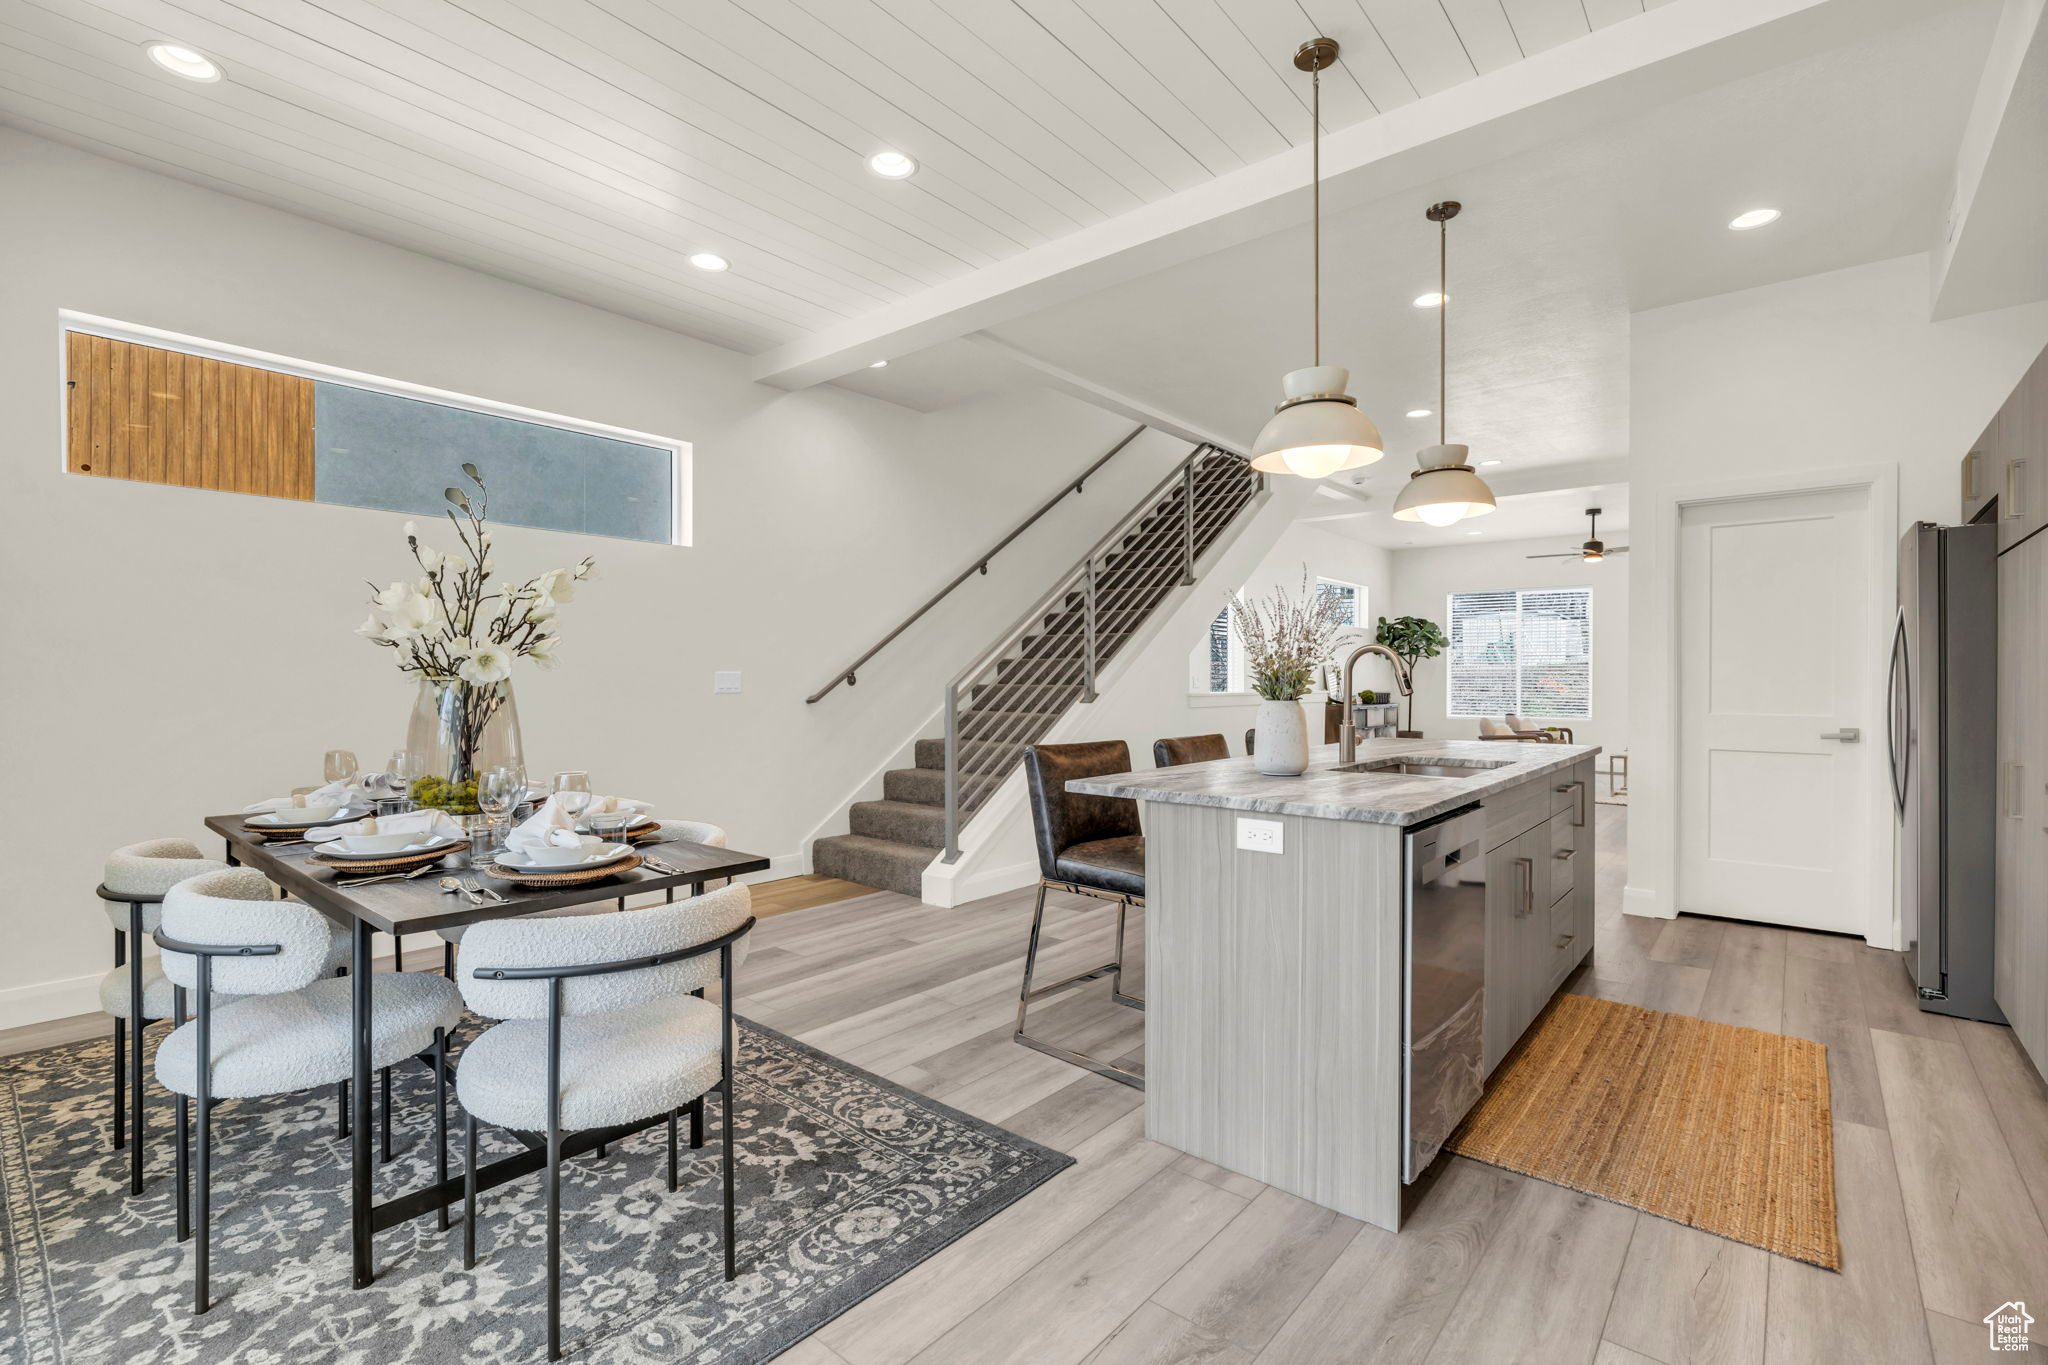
1774, 603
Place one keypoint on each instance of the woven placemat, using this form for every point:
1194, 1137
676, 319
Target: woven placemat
1721, 1128
394, 864
574, 877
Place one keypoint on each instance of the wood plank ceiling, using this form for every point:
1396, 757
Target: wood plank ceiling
588, 147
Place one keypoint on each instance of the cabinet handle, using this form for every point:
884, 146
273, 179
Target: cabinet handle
1564, 853
1528, 866
1970, 476
1564, 940
2013, 483
2011, 789
1578, 791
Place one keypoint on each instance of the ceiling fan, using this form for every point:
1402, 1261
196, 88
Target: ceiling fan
1593, 551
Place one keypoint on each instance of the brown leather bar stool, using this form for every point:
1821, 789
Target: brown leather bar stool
1172, 753
1090, 845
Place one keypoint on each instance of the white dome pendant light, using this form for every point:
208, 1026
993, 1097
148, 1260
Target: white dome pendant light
1444, 488
1317, 429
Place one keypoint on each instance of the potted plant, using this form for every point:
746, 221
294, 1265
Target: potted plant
1285, 637
458, 631
1414, 638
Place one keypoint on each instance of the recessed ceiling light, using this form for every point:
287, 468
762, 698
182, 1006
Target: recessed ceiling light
180, 60
1489, 462
892, 165
710, 260
1755, 218
1431, 300
1420, 412
879, 364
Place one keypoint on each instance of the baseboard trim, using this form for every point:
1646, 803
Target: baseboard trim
44, 1001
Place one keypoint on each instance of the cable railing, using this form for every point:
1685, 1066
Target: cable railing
1052, 656
979, 566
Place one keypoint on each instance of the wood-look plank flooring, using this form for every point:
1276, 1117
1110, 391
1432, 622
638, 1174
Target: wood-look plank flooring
1139, 1255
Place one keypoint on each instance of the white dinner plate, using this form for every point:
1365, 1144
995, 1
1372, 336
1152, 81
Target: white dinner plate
641, 827
285, 820
332, 849
604, 855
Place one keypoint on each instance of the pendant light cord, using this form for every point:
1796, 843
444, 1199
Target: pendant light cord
1443, 321
1315, 144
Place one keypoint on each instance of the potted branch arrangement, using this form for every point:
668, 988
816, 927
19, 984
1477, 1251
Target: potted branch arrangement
459, 632
1413, 638
1286, 637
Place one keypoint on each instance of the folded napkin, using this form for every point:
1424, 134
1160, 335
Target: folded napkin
553, 818
427, 824
349, 792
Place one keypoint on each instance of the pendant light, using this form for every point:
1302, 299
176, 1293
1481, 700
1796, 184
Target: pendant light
1317, 429
1444, 488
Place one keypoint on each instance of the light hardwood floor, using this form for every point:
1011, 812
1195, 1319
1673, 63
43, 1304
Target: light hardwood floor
1139, 1255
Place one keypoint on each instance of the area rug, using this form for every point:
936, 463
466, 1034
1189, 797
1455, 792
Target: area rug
1721, 1128
845, 1182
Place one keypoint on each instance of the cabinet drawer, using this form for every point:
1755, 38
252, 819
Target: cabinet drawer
1564, 856
1517, 810
1564, 940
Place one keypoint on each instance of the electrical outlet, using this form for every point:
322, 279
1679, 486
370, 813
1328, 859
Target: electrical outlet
725, 682
1260, 836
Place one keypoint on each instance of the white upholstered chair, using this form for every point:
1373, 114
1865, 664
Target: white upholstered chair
290, 1026
604, 1032
135, 992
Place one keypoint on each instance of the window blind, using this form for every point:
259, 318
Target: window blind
1528, 652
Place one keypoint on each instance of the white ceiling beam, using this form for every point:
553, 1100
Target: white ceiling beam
1610, 74
1991, 253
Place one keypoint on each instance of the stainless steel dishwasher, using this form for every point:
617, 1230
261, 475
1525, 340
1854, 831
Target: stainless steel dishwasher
1443, 1071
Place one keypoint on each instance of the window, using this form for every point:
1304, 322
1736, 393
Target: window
159, 408
1217, 664
1526, 653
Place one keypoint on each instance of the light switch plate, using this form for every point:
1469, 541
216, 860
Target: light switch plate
1260, 836
725, 682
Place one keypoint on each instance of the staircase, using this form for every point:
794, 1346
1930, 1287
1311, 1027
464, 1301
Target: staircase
1027, 681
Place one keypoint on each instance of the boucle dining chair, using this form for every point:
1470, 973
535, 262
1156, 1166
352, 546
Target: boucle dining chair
291, 1026
135, 992
603, 1031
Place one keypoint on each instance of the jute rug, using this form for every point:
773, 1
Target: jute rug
1721, 1128
845, 1182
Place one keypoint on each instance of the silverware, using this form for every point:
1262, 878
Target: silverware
477, 888
387, 877
454, 884
659, 866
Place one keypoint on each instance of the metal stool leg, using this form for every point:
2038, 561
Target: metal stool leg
1028, 993
1116, 980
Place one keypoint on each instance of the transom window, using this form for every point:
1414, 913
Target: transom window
1526, 652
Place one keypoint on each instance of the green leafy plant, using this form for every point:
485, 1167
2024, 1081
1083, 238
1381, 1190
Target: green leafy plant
1414, 638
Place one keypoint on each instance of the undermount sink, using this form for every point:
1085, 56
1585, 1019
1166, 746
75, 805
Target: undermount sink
1418, 767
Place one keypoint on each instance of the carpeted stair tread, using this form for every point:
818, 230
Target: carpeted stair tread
925, 786
902, 822
880, 863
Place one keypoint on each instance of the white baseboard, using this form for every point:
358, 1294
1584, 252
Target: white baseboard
1637, 900
46, 1000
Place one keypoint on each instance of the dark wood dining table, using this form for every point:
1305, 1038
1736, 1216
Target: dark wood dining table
420, 906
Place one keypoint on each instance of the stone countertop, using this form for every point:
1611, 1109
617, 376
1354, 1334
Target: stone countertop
1323, 793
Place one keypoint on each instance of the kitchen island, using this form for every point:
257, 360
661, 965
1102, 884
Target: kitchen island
1336, 961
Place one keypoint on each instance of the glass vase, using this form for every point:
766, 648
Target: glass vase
459, 729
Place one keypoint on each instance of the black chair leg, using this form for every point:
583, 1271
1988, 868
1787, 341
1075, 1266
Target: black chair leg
341, 1107
468, 1191
183, 1171
120, 1083
138, 1023
441, 1118
448, 960
598, 1155
554, 1189
672, 1149
384, 1116
204, 1174
725, 1168
696, 1123
398, 952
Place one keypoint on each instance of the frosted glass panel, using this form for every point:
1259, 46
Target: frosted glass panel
376, 450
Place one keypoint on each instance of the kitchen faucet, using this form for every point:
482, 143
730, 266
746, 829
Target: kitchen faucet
1347, 733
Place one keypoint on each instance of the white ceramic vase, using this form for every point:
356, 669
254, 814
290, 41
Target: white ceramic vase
1282, 749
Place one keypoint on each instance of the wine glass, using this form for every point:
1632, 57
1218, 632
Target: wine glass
340, 765
498, 790
572, 793
402, 769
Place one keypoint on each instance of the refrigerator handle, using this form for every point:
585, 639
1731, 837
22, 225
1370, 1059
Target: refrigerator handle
1899, 701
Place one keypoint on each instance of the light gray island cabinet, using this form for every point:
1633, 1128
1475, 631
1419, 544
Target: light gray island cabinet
1334, 962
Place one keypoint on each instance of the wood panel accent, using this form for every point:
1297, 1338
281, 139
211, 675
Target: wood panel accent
160, 416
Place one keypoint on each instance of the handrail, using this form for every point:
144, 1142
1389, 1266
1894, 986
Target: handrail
980, 565
1083, 573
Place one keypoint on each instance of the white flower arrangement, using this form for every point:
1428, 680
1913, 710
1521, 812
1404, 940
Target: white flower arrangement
451, 622
1286, 637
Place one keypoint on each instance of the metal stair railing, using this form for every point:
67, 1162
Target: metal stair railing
1202, 494
979, 566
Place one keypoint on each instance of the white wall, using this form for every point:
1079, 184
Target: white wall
1425, 577
1833, 372
173, 653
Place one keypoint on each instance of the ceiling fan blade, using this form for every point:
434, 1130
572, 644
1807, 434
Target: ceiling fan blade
1568, 554
1617, 549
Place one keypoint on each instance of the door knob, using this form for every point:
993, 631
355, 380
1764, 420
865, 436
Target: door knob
1848, 734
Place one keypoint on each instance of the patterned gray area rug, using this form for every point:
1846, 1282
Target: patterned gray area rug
845, 1182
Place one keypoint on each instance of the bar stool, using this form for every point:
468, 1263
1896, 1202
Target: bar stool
136, 994
1172, 753
1090, 845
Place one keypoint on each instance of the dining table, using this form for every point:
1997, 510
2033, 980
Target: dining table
415, 906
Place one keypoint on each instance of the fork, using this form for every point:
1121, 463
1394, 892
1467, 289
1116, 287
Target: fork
477, 888
390, 876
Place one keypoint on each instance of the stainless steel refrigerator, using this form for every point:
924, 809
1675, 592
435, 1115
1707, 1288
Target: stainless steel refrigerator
1944, 761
